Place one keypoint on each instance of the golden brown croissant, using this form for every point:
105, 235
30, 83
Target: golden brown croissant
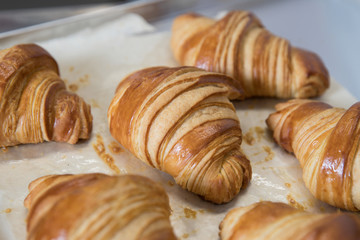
97, 206
270, 221
180, 120
326, 142
238, 45
34, 103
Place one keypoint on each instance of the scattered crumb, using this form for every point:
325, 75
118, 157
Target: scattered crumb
73, 87
8, 210
322, 209
84, 79
99, 148
259, 132
202, 211
257, 153
270, 153
5, 149
288, 185
293, 203
94, 104
66, 81
63, 156
115, 148
189, 213
171, 183
71, 69
185, 235
249, 138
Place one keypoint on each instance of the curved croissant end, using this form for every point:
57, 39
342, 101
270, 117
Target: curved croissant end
97, 206
273, 220
180, 120
238, 45
34, 103
326, 142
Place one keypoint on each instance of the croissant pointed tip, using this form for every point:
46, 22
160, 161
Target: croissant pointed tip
73, 119
235, 175
310, 74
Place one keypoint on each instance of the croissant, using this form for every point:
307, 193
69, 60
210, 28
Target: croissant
180, 121
34, 103
97, 206
273, 220
238, 45
326, 142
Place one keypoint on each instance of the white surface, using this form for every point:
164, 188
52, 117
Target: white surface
104, 56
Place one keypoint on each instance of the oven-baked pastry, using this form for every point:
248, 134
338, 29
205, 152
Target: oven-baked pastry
240, 46
326, 142
34, 103
180, 121
279, 221
97, 206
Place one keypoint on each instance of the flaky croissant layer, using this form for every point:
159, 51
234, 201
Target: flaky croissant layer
180, 120
326, 142
34, 103
279, 221
239, 45
97, 206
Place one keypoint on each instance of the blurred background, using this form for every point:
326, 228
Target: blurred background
331, 28
20, 13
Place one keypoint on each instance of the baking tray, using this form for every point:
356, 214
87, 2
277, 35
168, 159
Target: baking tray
93, 57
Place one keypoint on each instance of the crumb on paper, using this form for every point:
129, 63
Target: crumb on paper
84, 79
294, 203
115, 148
259, 132
8, 210
99, 148
73, 87
185, 235
249, 138
71, 68
63, 156
94, 104
202, 211
4, 149
189, 213
171, 183
288, 185
270, 153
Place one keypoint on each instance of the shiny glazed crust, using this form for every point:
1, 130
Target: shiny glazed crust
238, 45
279, 221
97, 206
180, 121
325, 140
34, 103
